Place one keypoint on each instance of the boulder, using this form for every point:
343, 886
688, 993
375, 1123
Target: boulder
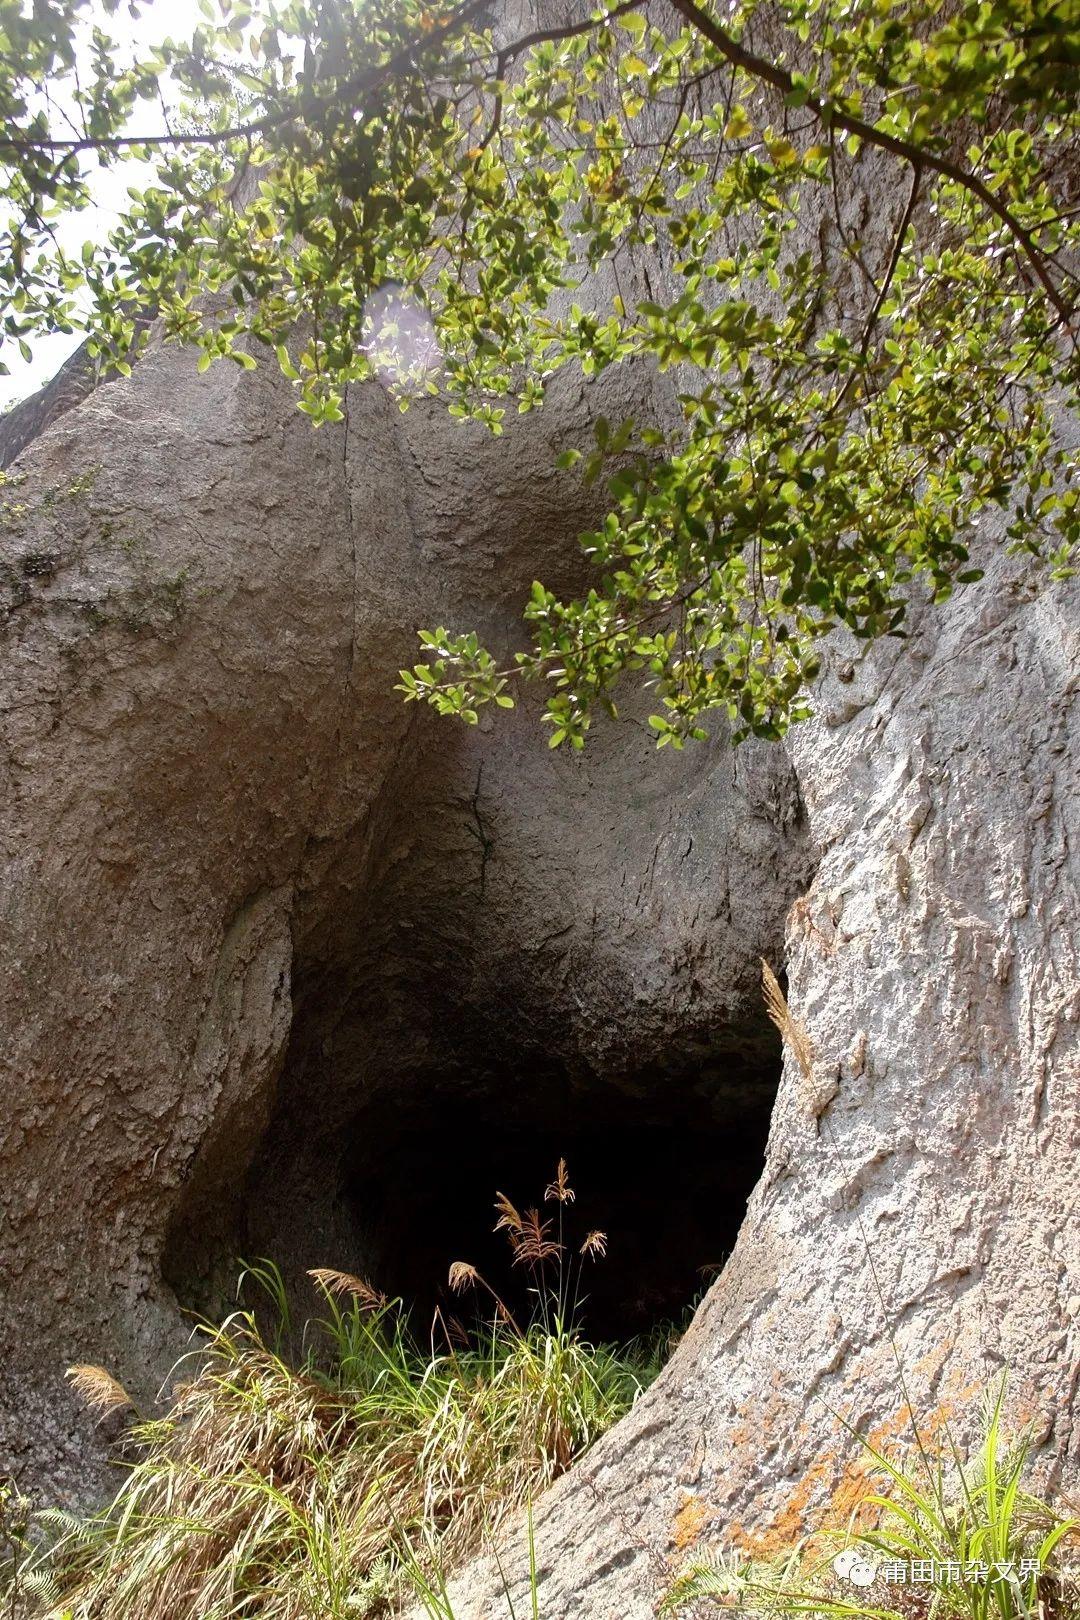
289, 966
916, 1229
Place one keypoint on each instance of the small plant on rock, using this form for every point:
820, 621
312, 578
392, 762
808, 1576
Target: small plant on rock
950, 1538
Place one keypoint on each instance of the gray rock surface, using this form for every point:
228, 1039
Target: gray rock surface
919, 1201
254, 908
248, 892
72, 382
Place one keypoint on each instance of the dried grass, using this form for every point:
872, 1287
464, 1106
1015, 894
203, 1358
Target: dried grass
324, 1490
98, 1389
341, 1283
791, 1030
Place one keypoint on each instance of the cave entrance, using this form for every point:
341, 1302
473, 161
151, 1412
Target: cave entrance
662, 1164
396, 1122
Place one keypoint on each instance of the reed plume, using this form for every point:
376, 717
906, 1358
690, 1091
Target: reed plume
560, 1189
98, 1389
791, 1030
509, 1220
462, 1276
344, 1283
534, 1243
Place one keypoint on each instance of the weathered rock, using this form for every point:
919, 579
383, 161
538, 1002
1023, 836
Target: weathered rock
263, 924
918, 1209
250, 895
71, 383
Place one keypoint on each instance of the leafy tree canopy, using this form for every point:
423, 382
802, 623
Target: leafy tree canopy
853, 400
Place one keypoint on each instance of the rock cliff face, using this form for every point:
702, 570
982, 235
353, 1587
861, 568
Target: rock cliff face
276, 948
284, 959
918, 1204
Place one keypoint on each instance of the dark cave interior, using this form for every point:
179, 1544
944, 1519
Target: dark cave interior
385, 1150
663, 1167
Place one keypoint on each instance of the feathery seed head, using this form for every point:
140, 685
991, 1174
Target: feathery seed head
462, 1276
560, 1188
509, 1220
343, 1282
791, 1031
97, 1388
534, 1245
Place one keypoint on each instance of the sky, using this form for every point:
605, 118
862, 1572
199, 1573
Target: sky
157, 21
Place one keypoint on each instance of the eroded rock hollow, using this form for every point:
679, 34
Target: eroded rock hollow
298, 971
292, 969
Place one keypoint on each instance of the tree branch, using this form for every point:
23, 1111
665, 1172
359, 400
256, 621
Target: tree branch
362, 83
541, 36
894, 257
767, 72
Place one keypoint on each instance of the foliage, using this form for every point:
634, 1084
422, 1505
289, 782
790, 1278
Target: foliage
15, 1546
397, 189
990, 1546
339, 1481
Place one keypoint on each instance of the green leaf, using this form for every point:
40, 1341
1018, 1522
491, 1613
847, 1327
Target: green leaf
738, 126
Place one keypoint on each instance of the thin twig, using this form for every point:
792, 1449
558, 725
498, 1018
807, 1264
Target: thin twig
540, 36
758, 67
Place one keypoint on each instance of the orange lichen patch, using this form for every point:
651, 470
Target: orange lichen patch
960, 1386
901, 1426
689, 1522
1029, 1403
891, 1428
758, 1421
848, 1494
927, 1366
838, 1488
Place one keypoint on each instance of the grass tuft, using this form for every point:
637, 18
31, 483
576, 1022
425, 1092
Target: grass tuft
949, 1537
346, 1479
